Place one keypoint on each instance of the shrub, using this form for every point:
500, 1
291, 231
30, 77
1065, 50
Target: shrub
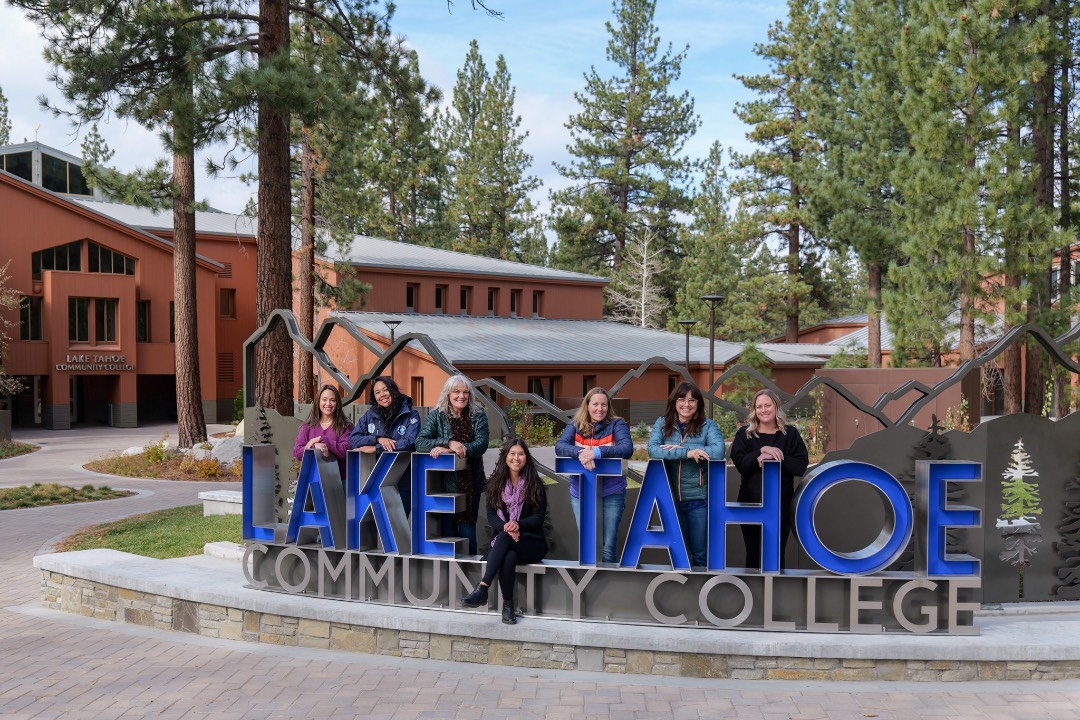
533, 428
640, 431
157, 452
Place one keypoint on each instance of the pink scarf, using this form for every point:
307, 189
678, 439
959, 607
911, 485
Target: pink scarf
514, 498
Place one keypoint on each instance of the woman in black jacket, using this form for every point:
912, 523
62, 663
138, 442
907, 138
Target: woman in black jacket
767, 436
517, 505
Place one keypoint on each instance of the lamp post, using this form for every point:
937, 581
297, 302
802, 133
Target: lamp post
712, 301
688, 324
392, 324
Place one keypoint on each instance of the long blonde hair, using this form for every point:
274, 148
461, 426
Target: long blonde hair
583, 422
752, 418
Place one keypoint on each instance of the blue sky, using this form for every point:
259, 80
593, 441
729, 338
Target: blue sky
548, 44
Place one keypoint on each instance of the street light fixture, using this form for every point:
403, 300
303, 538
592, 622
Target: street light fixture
392, 324
688, 324
712, 301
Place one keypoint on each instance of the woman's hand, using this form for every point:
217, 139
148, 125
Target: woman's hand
770, 453
587, 458
387, 444
698, 454
511, 526
321, 447
457, 448
367, 449
438, 450
311, 443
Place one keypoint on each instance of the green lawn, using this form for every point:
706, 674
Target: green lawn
10, 448
177, 532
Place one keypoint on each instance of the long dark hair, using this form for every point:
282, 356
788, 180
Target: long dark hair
534, 486
395, 397
315, 417
671, 413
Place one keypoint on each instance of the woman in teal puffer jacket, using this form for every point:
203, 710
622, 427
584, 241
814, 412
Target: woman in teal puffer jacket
686, 441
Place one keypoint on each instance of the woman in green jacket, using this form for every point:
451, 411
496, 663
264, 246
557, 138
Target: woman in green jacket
457, 424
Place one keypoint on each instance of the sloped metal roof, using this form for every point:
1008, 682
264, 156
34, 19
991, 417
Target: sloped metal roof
369, 252
206, 221
469, 340
986, 331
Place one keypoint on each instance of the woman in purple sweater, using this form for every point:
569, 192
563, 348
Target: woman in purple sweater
326, 429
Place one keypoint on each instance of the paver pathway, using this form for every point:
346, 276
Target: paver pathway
54, 665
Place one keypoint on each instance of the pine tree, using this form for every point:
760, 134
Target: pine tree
969, 180
780, 171
5, 122
854, 111
722, 253
489, 200
1020, 498
9, 300
627, 171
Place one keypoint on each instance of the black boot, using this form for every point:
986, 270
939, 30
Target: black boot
478, 597
508, 614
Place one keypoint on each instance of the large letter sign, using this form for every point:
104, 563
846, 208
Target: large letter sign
355, 544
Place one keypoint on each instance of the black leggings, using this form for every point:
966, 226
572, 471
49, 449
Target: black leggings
506, 555
752, 533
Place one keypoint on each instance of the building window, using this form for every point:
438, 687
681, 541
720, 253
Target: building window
61, 257
105, 320
142, 321
515, 303
673, 382
29, 318
538, 303
79, 319
501, 379
228, 303
466, 299
103, 260
543, 386
417, 388
493, 301
412, 297
588, 382
441, 293
53, 174
172, 321
20, 164
1055, 283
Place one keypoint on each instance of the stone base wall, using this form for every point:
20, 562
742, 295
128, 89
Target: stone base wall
106, 602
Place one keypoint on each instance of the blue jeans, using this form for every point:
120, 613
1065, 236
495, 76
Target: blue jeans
611, 513
694, 520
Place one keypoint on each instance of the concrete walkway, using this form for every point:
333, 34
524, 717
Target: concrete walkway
56, 665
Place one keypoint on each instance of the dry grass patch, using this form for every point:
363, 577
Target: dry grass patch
159, 462
10, 448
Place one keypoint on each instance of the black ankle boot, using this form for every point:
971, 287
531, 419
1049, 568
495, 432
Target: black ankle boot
478, 597
508, 615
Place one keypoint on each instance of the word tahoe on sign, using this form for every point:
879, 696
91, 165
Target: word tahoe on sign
354, 541
87, 361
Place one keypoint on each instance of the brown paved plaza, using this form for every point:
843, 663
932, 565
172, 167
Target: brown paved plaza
56, 665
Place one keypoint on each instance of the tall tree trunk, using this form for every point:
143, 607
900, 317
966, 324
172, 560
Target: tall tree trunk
1039, 301
1061, 382
191, 424
873, 316
305, 391
273, 356
1011, 364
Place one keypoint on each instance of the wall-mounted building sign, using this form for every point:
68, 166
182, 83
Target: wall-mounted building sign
87, 362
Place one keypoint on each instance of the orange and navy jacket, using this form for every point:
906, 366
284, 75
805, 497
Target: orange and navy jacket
611, 438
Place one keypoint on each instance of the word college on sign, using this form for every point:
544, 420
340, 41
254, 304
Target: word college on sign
351, 541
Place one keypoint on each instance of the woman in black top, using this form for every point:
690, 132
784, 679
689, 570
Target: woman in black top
767, 436
517, 505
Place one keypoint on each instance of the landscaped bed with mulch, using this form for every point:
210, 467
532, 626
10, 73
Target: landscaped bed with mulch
41, 494
160, 461
10, 448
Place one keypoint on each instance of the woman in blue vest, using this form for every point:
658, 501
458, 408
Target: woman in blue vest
389, 425
596, 432
686, 441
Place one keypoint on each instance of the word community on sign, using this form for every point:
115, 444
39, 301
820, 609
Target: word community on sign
352, 541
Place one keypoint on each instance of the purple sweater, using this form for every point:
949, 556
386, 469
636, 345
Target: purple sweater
337, 445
